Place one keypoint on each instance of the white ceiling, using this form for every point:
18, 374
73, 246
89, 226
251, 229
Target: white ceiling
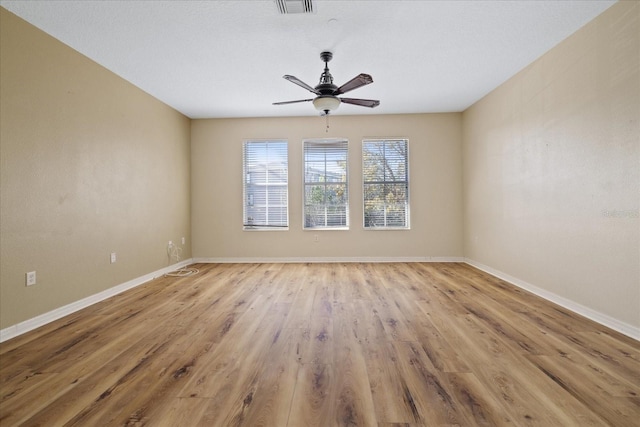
227, 58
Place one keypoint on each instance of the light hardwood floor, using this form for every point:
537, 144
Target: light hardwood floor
301, 345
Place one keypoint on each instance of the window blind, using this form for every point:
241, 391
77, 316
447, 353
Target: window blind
385, 170
326, 198
265, 185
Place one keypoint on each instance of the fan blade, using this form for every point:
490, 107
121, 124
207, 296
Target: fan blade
294, 79
371, 103
292, 102
354, 83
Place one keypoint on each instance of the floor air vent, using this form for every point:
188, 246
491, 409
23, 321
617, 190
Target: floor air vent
286, 7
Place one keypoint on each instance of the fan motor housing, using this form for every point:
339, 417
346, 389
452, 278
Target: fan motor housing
326, 88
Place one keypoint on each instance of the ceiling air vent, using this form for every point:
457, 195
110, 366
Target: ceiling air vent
286, 7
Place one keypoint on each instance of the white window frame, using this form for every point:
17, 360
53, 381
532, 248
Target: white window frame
404, 181
309, 144
247, 196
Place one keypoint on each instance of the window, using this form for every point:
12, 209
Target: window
265, 185
385, 170
326, 198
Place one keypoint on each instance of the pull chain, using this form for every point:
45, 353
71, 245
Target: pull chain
327, 117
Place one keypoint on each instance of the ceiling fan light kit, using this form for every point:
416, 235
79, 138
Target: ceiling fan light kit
327, 99
326, 103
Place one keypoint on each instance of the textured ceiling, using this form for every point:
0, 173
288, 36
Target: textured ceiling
227, 58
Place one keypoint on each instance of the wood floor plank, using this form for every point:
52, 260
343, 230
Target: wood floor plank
439, 348
477, 406
446, 353
291, 345
366, 322
318, 342
391, 396
354, 406
266, 397
426, 388
296, 297
313, 402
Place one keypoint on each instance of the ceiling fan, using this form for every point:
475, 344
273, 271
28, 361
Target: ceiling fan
327, 99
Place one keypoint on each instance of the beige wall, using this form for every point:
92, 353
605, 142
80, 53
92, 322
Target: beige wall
435, 186
89, 165
551, 170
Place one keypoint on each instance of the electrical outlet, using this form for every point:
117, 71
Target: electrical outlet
183, 240
315, 238
113, 257
31, 278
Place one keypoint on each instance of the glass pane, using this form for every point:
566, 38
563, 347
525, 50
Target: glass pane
314, 216
278, 216
395, 193
314, 172
385, 160
396, 158
373, 215
259, 198
374, 193
256, 216
336, 216
336, 194
373, 161
277, 195
277, 173
314, 195
396, 215
256, 174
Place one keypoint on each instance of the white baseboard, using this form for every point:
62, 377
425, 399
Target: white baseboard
293, 260
43, 319
596, 316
